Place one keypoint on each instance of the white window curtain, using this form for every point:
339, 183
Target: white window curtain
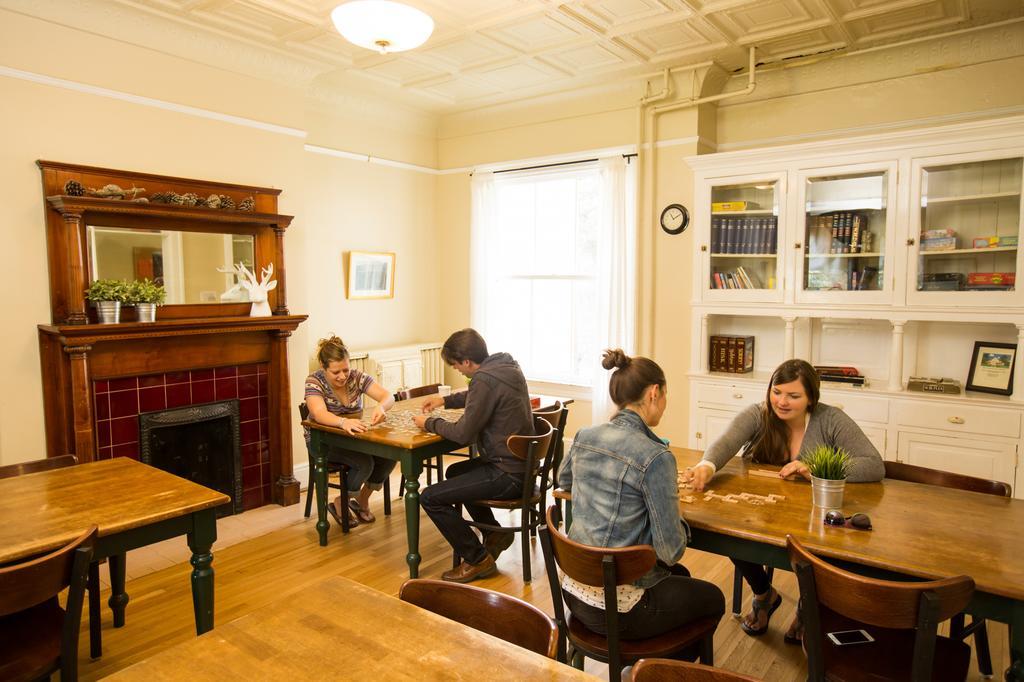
616, 274
553, 269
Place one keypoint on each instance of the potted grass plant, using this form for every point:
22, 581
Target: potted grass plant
829, 467
145, 295
107, 295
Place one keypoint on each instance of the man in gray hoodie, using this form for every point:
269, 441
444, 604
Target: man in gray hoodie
497, 406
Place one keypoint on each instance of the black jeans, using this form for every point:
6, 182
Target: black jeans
672, 603
372, 471
755, 575
473, 479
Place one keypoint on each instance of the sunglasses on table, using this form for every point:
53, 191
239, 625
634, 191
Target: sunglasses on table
858, 521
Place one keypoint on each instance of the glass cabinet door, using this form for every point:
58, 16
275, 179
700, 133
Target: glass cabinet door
745, 236
970, 224
845, 232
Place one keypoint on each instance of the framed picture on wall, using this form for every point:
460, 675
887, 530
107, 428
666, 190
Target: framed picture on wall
992, 367
371, 275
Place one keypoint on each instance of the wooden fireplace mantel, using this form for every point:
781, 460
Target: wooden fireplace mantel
75, 352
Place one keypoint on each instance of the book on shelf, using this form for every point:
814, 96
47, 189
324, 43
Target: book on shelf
938, 234
744, 235
844, 231
941, 281
1009, 240
985, 242
845, 380
724, 206
731, 353
992, 278
939, 244
837, 370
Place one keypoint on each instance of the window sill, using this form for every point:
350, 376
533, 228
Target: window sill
573, 391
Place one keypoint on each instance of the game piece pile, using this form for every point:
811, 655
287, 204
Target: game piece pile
400, 421
685, 481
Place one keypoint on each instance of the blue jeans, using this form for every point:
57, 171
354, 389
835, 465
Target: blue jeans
465, 482
372, 471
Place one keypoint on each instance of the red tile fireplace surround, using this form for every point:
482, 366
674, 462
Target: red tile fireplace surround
119, 402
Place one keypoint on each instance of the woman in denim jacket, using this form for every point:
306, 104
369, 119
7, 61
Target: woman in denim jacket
623, 482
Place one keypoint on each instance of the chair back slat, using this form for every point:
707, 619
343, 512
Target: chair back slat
520, 445
668, 670
584, 564
419, 391
497, 614
882, 603
304, 411
898, 471
32, 582
37, 465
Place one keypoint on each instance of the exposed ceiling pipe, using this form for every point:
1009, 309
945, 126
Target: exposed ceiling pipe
648, 262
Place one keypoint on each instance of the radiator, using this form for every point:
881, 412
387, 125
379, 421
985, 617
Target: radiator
402, 366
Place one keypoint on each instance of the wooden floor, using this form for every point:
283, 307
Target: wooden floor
283, 562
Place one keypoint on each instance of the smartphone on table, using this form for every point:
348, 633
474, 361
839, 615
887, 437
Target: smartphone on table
847, 637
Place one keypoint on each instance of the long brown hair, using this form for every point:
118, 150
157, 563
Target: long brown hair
770, 445
631, 377
331, 349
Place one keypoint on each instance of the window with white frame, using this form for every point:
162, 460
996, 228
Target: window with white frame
539, 277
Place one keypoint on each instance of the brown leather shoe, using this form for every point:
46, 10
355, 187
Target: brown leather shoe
467, 572
496, 542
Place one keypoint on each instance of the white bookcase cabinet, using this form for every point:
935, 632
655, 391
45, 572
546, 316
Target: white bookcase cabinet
877, 262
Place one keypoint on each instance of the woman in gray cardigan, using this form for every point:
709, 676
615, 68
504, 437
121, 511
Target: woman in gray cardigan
780, 431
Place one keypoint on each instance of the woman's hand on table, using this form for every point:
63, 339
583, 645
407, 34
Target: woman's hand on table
352, 426
699, 477
797, 468
379, 415
431, 404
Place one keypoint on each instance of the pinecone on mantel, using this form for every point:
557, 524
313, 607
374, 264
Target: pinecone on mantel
227, 203
73, 188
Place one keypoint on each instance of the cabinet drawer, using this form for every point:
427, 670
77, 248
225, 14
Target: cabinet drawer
736, 397
960, 418
859, 408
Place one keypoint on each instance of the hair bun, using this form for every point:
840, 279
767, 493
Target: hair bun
615, 359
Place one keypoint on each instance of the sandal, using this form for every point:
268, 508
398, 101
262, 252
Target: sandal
332, 509
362, 512
795, 632
760, 607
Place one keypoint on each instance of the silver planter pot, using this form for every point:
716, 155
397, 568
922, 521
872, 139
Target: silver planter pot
108, 312
145, 312
827, 494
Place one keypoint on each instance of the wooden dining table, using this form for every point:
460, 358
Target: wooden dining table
341, 629
918, 532
132, 504
409, 447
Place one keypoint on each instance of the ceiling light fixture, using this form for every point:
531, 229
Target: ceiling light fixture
382, 25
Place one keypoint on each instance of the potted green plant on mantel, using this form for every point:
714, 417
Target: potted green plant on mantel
107, 295
829, 467
145, 295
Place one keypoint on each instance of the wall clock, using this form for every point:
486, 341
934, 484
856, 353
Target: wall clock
674, 218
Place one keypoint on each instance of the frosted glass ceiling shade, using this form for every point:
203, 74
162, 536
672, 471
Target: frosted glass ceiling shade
382, 25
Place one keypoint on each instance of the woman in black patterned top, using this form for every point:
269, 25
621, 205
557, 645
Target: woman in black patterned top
334, 396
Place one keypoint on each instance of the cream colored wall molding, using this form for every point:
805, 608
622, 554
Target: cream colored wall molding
877, 128
367, 158
936, 136
149, 102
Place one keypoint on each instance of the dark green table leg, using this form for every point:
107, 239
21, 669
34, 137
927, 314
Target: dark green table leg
118, 598
200, 540
1016, 670
411, 468
320, 478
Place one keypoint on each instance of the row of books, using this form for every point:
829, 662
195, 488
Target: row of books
848, 231
753, 235
735, 279
730, 353
840, 374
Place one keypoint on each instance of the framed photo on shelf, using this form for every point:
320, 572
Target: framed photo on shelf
992, 367
370, 275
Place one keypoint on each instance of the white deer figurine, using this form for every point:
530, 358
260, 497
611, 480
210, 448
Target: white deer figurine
257, 290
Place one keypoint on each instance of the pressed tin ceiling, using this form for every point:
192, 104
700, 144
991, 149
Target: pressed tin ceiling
486, 52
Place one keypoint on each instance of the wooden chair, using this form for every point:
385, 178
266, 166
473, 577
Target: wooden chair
117, 562
609, 567
667, 670
536, 452
332, 468
497, 614
902, 617
898, 471
556, 415
37, 636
